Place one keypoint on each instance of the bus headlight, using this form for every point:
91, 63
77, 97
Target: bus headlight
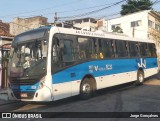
41, 84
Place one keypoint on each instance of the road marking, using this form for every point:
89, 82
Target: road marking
29, 107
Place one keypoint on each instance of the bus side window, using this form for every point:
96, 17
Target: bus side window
106, 48
101, 51
143, 49
85, 48
56, 62
94, 48
64, 50
152, 50
133, 49
55, 49
68, 53
121, 48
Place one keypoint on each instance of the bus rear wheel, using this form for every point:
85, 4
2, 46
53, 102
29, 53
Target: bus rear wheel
140, 78
86, 89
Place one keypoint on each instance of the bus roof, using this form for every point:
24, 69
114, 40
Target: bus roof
98, 34
40, 32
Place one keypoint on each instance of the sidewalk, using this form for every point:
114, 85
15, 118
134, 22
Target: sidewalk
4, 90
4, 97
3, 94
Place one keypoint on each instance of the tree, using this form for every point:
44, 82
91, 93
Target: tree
118, 30
135, 5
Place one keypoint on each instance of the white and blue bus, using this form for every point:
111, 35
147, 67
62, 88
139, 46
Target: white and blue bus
52, 63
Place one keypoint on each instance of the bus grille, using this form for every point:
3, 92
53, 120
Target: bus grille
30, 95
23, 82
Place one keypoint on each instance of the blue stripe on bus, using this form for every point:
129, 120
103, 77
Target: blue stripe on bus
101, 68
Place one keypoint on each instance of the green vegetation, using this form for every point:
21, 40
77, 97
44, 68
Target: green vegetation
136, 5
118, 30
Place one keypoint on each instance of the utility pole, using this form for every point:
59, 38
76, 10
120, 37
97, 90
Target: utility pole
55, 18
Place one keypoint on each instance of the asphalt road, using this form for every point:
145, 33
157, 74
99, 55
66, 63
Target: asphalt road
126, 98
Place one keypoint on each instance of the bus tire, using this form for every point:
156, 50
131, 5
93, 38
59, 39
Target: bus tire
94, 87
86, 88
140, 78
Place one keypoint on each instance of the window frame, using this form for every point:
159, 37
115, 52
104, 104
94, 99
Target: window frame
114, 26
151, 24
136, 23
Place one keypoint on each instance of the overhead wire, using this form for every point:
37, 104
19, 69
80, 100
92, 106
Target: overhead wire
110, 5
11, 15
92, 12
73, 10
95, 11
67, 3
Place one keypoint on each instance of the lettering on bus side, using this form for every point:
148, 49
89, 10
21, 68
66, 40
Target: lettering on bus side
93, 68
90, 33
141, 63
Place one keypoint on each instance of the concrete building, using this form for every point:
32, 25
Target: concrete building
4, 29
5, 36
20, 25
101, 25
143, 24
87, 24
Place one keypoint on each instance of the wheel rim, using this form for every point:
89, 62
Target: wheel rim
86, 88
141, 77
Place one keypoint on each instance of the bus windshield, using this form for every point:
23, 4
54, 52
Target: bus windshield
28, 59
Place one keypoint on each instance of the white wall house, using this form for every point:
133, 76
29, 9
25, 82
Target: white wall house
133, 25
144, 24
87, 24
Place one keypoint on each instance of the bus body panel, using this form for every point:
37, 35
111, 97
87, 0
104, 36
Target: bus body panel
32, 92
107, 73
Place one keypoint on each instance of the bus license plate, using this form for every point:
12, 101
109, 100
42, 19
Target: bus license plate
23, 94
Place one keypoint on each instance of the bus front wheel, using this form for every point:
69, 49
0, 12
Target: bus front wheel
86, 88
140, 78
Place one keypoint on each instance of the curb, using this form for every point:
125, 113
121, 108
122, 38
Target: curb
4, 96
3, 90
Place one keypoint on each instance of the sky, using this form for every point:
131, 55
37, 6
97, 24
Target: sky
11, 9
